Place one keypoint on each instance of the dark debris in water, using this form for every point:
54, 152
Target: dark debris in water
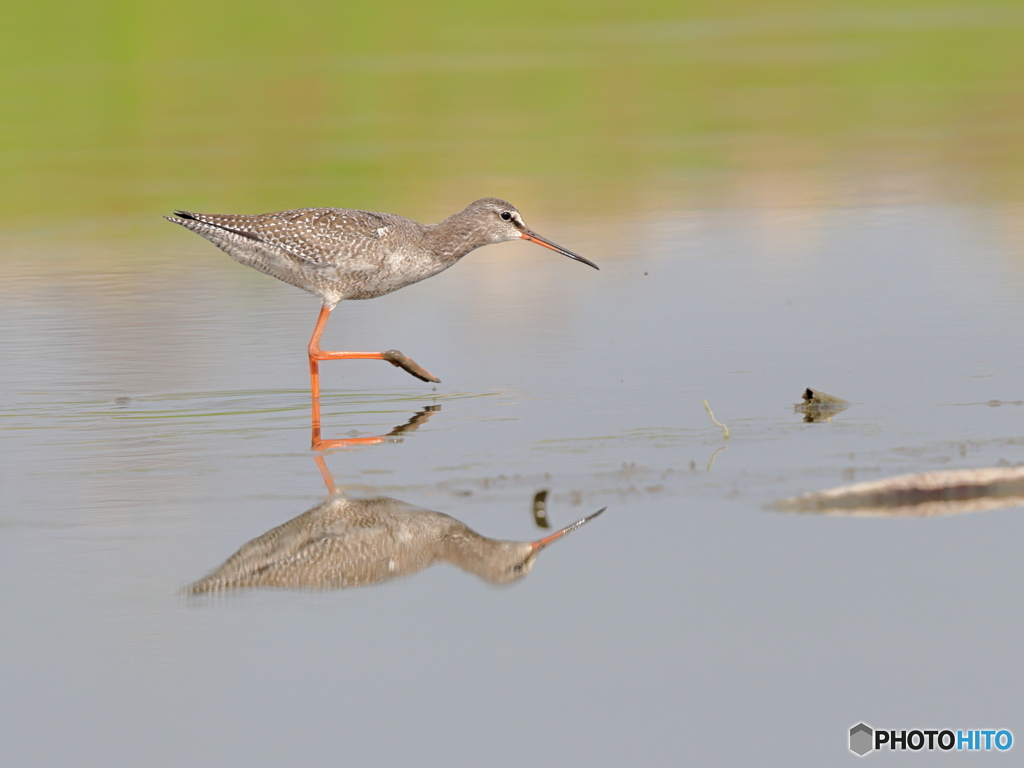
820, 406
540, 509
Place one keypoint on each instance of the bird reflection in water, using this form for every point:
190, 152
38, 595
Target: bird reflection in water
345, 542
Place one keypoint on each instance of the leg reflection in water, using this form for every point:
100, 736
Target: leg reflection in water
420, 418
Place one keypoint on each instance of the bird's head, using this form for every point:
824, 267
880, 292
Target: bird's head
501, 222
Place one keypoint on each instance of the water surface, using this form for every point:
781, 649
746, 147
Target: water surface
777, 201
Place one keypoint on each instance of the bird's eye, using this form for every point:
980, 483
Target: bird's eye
518, 568
506, 216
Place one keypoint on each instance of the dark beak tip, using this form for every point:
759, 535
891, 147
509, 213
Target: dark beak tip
588, 262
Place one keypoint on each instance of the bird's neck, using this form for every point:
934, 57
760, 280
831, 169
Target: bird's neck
454, 237
489, 559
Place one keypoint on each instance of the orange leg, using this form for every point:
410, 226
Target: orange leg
316, 354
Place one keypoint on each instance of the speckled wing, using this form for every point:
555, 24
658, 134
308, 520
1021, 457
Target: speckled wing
315, 236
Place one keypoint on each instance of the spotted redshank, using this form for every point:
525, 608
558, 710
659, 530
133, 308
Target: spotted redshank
338, 254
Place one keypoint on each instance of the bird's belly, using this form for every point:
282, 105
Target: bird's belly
389, 277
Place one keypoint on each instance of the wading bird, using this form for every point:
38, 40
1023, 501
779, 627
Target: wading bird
338, 254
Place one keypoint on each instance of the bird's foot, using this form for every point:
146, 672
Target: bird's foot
399, 360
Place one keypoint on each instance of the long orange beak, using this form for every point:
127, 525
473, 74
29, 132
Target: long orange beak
533, 237
568, 529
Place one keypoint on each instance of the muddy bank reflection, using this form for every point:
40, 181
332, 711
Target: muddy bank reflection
920, 495
344, 542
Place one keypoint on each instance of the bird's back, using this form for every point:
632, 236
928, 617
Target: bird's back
334, 253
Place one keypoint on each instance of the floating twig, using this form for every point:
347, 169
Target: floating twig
725, 429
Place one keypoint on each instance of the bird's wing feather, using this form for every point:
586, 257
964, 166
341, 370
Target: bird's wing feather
314, 236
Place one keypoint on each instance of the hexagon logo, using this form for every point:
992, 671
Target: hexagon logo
861, 739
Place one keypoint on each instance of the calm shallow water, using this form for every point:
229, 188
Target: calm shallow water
779, 198
154, 417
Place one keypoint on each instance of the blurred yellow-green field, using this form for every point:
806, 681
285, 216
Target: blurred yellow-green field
128, 108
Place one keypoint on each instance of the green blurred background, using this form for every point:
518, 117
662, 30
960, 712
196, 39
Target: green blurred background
129, 109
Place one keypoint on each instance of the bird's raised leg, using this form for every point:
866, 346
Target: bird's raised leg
316, 354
